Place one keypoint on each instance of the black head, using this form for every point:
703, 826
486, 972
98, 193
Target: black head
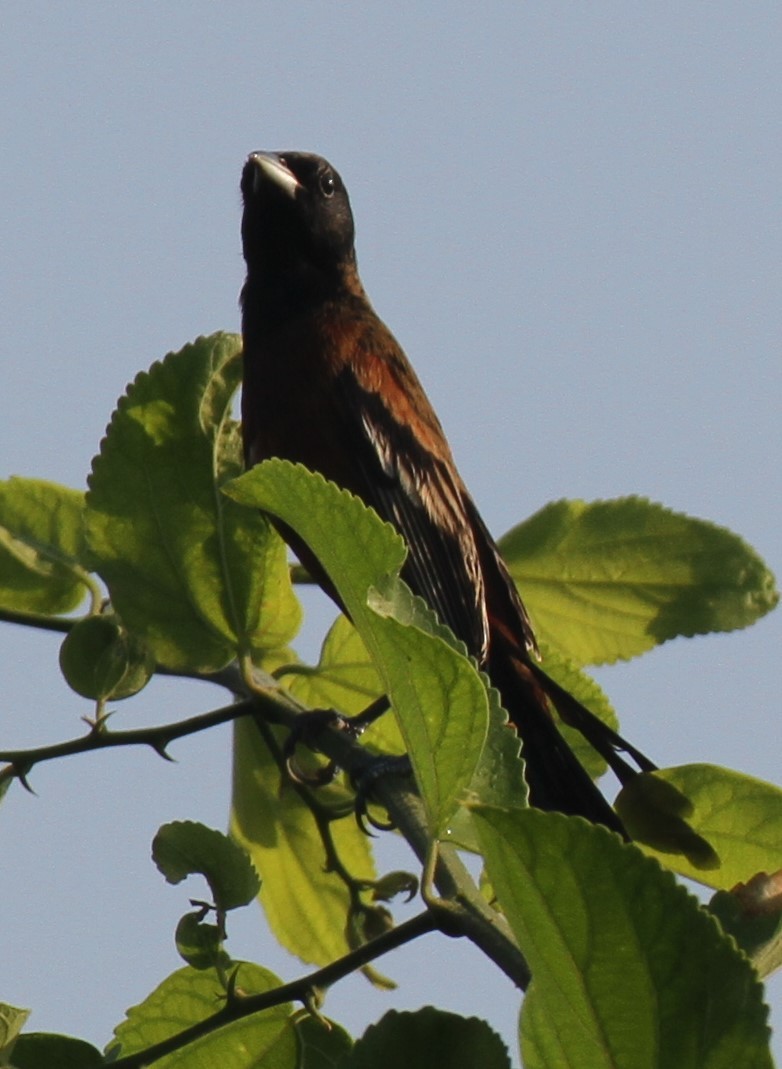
297, 218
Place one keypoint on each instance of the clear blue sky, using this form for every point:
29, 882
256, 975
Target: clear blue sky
568, 214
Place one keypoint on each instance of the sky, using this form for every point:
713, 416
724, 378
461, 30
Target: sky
569, 216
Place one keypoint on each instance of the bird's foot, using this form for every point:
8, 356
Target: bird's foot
364, 783
309, 725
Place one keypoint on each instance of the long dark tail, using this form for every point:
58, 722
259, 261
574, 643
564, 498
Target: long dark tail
556, 778
608, 743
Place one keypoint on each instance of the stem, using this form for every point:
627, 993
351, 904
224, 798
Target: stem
35, 619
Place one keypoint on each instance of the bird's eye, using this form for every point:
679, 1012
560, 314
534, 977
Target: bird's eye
327, 184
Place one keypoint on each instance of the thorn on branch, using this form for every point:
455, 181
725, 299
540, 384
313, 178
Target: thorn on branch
232, 995
21, 774
97, 724
160, 746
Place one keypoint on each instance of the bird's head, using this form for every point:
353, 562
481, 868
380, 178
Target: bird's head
297, 216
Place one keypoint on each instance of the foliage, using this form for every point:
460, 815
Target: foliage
628, 968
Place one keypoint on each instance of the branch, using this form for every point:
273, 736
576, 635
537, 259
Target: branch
470, 914
99, 738
158, 738
272, 702
302, 990
465, 911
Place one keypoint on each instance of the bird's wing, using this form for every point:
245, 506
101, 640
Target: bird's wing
420, 494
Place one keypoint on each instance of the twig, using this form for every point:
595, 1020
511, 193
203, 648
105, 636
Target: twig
158, 738
301, 990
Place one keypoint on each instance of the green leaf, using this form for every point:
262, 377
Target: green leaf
12, 1021
344, 677
101, 660
197, 577
739, 818
609, 580
321, 1045
190, 996
45, 1050
392, 884
628, 969
41, 547
200, 944
278, 830
436, 693
429, 1037
498, 779
185, 847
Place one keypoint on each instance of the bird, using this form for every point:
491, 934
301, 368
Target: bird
327, 385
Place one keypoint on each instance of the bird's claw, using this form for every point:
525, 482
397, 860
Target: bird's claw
365, 780
308, 727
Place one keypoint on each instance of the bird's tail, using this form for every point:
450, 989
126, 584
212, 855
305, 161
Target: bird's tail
557, 780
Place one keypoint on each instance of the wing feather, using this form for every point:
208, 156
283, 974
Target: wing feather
415, 491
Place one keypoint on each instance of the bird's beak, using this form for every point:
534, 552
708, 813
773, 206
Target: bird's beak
270, 166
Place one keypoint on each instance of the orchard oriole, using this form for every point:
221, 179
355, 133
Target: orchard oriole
326, 384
